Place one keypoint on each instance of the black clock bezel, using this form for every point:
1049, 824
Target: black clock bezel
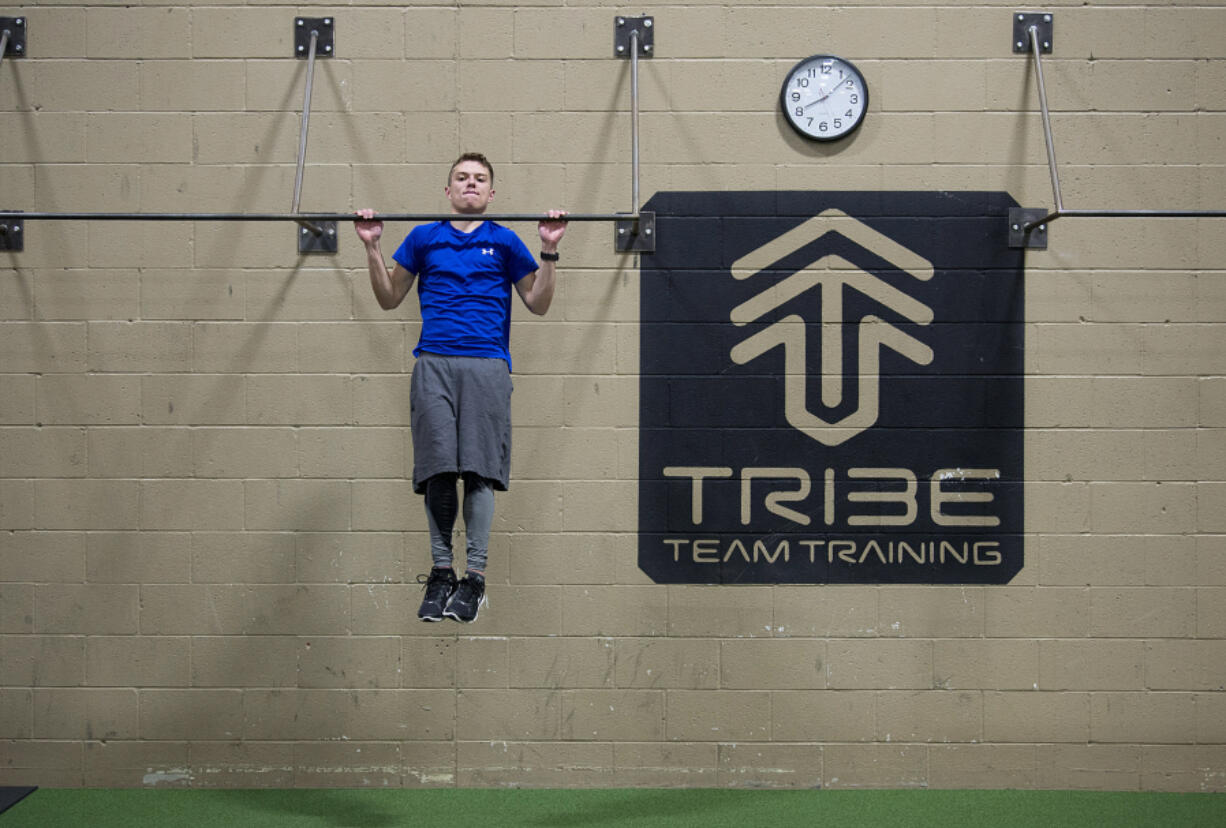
783, 104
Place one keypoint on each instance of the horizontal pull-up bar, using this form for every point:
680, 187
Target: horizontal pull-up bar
1052, 216
1028, 226
419, 217
634, 231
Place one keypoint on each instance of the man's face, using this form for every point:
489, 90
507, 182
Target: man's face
470, 189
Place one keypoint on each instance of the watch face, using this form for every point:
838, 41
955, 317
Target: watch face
824, 98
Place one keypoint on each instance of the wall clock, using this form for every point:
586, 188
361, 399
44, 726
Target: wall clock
824, 98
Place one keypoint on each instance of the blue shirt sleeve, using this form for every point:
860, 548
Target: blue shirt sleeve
521, 261
408, 254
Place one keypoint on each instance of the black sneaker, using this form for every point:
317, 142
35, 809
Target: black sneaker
439, 588
466, 601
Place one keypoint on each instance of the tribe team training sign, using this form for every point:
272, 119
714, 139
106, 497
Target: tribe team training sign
831, 389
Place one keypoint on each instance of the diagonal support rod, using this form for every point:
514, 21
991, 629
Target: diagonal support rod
634, 120
302, 135
1033, 33
634, 37
1058, 210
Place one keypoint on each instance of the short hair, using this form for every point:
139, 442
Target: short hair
472, 156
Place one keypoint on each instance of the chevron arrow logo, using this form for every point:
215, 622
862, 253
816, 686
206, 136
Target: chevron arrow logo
830, 276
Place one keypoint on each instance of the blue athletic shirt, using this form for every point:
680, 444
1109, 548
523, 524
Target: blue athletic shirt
464, 286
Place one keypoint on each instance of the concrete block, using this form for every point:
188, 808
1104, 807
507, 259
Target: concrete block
613, 715
721, 612
129, 764
983, 767
1036, 717
823, 716
85, 713
137, 661
244, 661
192, 505
89, 399
509, 715
875, 766
137, 557
193, 714
973, 663
717, 715
43, 347
191, 609
42, 452
930, 716
1161, 718
615, 610
564, 663
43, 660
780, 664
359, 663
879, 663
67, 503
299, 400
533, 764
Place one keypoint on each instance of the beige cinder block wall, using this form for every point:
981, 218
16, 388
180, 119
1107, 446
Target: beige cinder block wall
208, 547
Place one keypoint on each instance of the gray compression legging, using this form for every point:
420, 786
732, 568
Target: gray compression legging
441, 507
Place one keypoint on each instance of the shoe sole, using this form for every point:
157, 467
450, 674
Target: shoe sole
429, 618
480, 603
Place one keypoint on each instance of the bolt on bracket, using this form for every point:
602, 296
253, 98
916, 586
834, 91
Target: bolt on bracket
622, 36
324, 27
635, 234
325, 242
15, 44
1043, 24
12, 235
1033, 239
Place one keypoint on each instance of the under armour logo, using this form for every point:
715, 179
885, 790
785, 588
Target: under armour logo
830, 274
487, 251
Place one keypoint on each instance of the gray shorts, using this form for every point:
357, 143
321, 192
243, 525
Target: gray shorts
460, 414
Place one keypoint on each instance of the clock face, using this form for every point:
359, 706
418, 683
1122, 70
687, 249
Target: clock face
824, 98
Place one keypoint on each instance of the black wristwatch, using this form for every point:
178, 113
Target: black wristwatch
549, 257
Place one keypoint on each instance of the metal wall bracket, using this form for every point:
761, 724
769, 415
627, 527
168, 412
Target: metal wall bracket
623, 33
635, 235
12, 235
15, 44
1043, 23
326, 29
325, 242
1032, 239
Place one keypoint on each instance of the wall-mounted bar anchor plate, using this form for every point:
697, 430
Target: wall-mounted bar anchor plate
324, 45
12, 235
631, 235
16, 45
624, 27
1043, 23
325, 242
1035, 238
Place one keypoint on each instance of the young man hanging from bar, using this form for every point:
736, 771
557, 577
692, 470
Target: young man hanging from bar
460, 392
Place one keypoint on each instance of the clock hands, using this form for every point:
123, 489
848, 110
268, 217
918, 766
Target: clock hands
819, 100
833, 89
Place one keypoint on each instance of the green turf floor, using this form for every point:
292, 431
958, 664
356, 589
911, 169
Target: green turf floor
709, 808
